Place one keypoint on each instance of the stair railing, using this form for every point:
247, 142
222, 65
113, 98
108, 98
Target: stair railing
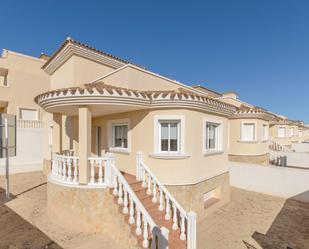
132, 205
182, 219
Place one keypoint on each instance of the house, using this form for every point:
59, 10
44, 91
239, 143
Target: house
131, 150
166, 138
21, 79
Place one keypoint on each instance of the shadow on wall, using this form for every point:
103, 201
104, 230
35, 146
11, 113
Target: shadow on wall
290, 229
17, 233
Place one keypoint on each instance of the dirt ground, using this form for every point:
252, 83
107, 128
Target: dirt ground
25, 225
249, 221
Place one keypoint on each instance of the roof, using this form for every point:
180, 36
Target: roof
69, 40
180, 96
254, 112
207, 90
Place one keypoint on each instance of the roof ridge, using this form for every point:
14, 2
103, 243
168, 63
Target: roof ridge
84, 45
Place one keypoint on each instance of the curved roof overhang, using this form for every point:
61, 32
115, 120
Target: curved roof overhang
103, 100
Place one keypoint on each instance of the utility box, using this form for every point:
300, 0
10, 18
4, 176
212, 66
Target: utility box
10, 120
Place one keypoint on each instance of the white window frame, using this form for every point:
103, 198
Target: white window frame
178, 122
219, 138
285, 131
265, 135
110, 135
157, 136
243, 123
19, 108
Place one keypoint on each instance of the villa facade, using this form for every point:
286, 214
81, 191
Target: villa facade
120, 141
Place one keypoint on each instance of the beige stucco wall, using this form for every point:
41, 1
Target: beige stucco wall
25, 79
134, 78
76, 71
287, 141
238, 147
197, 167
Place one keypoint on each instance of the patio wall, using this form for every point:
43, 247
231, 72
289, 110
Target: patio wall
300, 147
29, 152
295, 159
272, 180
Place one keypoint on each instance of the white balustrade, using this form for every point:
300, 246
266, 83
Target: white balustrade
29, 124
168, 203
65, 169
144, 222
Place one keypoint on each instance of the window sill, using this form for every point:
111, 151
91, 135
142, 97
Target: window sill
119, 150
250, 142
212, 153
169, 156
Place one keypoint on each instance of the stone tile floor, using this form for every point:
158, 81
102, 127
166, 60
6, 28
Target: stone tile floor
249, 221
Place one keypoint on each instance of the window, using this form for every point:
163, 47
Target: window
212, 134
169, 136
248, 132
292, 132
98, 140
281, 131
120, 136
3, 80
28, 114
265, 132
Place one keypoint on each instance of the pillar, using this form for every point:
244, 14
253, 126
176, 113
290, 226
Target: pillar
57, 133
84, 140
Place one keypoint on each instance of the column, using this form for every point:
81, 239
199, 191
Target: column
84, 141
57, 133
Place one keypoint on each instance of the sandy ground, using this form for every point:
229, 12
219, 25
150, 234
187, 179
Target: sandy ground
249, 221
25, 225
254, 221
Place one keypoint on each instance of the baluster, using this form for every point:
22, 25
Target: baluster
59, 162
69, 163
131, 219
115, 191
154, 193
64, 170
75, 179
145, 233
92, 172
149, 185
175, 218
125, 209
143, 178
100, 162
182, 228
120, 200
53, 166
167, 209
138, 229
161, 201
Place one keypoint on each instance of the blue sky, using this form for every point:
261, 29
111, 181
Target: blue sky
258, 48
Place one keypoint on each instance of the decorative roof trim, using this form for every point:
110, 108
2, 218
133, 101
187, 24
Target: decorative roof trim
71, 47
99, 93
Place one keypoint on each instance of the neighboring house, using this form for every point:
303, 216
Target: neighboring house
248, 127
21, 79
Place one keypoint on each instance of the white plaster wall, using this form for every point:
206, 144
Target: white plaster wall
300, 147
272, 180
295, 159
29, 155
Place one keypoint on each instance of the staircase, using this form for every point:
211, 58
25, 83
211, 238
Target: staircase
158, 216
146, 204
